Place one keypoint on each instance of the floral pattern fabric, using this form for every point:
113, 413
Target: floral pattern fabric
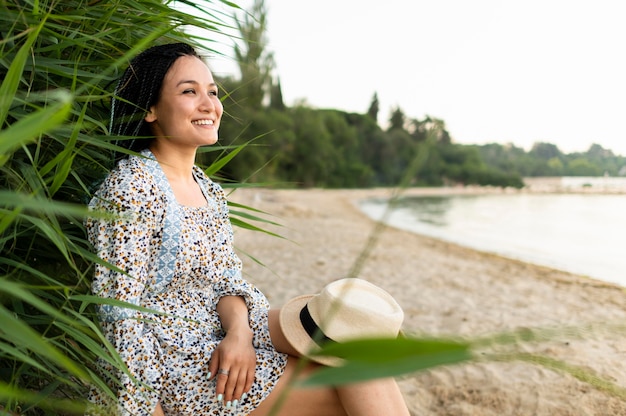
166, 341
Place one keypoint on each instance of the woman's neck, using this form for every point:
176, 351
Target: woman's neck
177, 163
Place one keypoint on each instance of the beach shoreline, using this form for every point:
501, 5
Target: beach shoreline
446, 290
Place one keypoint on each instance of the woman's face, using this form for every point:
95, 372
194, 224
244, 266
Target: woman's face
188, 111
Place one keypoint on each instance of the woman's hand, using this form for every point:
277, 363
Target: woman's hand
233, 362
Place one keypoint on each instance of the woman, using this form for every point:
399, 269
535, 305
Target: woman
213, 347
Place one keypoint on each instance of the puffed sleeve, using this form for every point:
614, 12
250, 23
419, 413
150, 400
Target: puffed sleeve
127, 240
231, 282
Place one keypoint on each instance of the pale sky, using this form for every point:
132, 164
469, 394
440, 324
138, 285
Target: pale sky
494, 70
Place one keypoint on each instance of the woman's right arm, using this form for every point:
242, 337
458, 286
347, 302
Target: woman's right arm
123, 241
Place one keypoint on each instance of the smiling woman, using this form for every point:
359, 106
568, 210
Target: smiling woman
156, 73
195, 336
189, 110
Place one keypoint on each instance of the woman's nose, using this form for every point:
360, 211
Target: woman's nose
207, 103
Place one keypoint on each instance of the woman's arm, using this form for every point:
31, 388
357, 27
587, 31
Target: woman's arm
123, 240
235, 354
233, 314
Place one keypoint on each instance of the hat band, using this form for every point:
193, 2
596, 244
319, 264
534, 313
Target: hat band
311, 328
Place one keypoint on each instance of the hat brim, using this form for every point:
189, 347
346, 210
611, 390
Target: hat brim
289, 320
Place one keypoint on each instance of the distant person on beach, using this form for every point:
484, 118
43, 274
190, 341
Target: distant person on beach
200, 340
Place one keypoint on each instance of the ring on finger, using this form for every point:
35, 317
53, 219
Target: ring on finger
222, 371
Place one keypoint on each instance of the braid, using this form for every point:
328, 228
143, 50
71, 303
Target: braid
138, 89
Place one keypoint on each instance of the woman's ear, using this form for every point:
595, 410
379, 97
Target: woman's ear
150, 116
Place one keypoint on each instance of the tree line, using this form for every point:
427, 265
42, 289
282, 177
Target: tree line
302, 146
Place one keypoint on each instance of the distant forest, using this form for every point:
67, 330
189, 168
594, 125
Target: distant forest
301, 146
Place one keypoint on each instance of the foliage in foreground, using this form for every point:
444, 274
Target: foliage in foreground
58, 65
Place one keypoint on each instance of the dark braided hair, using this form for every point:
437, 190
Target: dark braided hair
139, 89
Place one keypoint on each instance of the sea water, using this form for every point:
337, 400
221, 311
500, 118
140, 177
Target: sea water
580, 233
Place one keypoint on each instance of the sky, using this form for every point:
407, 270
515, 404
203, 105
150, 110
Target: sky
500, 71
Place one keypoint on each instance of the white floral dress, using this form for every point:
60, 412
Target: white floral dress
178, 261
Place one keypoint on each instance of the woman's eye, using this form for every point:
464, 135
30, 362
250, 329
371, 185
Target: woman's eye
189, 91
213, 92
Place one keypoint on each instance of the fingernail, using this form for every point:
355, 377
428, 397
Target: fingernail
220, 397
235, 403
244, 397
228, 403
208, 375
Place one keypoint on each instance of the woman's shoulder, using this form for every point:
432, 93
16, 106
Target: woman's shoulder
129, 185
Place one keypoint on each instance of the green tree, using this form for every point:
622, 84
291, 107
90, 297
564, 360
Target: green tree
397, 119
374, 108
437, 127
246, 101
556, 166
255, 61
276, 96
371, 142
349, 170
545, 151
604, 159
582, 167
399, 150
313, 153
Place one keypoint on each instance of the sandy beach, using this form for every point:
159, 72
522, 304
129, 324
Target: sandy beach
447, 290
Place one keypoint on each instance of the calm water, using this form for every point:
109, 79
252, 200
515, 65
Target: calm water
584, 234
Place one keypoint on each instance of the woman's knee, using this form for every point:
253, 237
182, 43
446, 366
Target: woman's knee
276, 334
158, 411
290, 399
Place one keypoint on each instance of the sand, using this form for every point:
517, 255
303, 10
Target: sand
448, 290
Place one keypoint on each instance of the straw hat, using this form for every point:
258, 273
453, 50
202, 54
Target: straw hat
344, 310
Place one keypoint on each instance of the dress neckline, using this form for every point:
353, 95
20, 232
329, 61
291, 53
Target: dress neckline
151, 159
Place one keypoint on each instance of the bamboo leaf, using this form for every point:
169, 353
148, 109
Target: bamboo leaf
246, 225
9, 392
13, 200
246, 215
9, 350
34, 124
17, 332
13, 76
65, 159
223, 161
19, 291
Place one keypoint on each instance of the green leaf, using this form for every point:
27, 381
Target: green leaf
45, 401
244, 214
376, 358
12, 200
236, 222
13, 76
19, 291
34, 124
219, 164
17, 332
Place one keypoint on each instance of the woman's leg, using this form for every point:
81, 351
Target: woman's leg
158, 411
378, 397
288, 400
